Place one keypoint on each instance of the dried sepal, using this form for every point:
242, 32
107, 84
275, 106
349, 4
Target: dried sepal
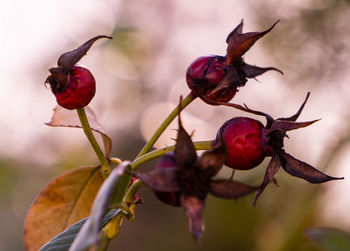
236, 32
194, 208
271, 171
239, 43
160, 179
252, 71
303, 170
69, 59
57, 80
285, 125
229, 189
211, 161
296, 116
185, 153
244, 108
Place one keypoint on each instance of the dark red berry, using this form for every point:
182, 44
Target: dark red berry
204, 75
244, 142
248, 142
184, 179
79, 89
215, 78
170, 198
74, 86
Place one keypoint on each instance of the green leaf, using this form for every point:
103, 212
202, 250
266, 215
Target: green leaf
331, 239
88, 234
63, 241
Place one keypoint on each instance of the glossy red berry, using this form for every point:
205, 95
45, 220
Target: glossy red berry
170, 198
205, 74
74, 86
79, 89
245, 144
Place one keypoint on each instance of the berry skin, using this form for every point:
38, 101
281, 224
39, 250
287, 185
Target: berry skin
205, 74
170, 198
244, 142
79, 89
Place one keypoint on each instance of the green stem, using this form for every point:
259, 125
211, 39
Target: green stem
103, 244
88, 132
122, 190
186, 101
130, 195
200, 145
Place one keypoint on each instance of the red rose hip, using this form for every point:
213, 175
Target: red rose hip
79, 90
205, 74
216, 79
244, 142
73, 86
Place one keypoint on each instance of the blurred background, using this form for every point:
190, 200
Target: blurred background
140, 76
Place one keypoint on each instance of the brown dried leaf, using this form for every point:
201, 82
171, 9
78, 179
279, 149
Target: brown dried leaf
229, 189
271, 171
193, 208
160, 179
64, 201
69, 59
69, 118
303, 170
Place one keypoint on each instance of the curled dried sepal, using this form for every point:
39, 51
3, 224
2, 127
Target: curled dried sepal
285, 125
229, 189
239, 43
160, 179
252, 71
185, 153
69, 59
271, 171
211, 161
303, 170
193, 208
296, 116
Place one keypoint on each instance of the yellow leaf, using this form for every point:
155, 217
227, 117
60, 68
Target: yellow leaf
65, 200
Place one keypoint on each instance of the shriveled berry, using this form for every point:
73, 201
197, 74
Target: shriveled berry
244, 142
79, 89
170, 198
204, 75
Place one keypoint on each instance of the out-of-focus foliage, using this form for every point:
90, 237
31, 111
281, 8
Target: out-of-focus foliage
329, 239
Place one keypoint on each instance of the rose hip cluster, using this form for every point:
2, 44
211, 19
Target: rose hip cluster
181, 178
